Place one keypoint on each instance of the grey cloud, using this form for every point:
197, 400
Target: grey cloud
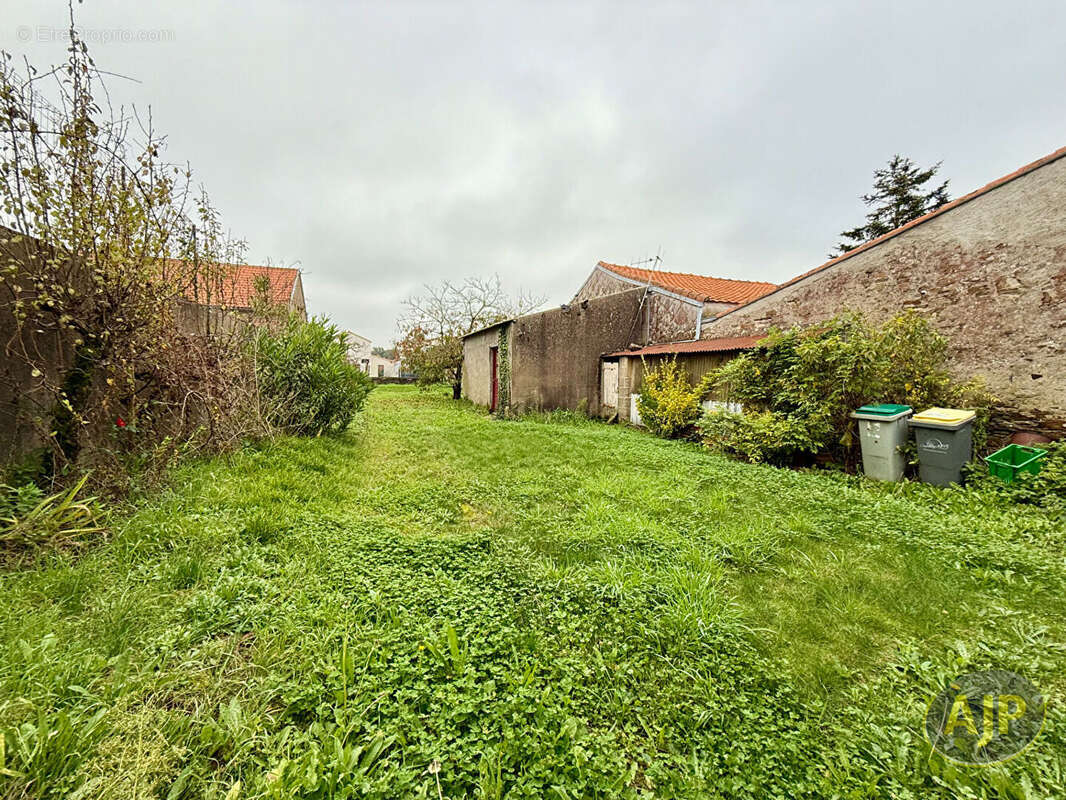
387, 145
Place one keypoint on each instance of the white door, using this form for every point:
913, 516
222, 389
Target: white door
609, 390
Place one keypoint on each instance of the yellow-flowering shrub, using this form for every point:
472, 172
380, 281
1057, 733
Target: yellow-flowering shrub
669, 404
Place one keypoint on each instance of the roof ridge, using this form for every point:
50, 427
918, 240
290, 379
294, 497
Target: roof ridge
240, 266
258, 266
609, 264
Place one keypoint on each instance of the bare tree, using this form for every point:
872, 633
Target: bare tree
433, 325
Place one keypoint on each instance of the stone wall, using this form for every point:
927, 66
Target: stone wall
669, 319
600, 284
990, 274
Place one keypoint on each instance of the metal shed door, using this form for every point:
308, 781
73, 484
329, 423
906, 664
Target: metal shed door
609, 387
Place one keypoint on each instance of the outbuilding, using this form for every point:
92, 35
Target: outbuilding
623, 371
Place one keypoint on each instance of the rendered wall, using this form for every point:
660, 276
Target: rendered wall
555, 355
477, 367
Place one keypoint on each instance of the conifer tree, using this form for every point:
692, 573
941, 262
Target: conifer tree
899, 196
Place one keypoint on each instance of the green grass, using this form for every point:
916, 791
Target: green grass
543, 608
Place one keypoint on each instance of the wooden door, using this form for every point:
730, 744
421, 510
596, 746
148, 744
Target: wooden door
609, 386
494, 377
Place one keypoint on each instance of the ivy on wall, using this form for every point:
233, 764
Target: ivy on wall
503, 373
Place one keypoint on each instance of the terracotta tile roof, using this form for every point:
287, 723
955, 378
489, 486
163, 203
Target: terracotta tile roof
698, 287
697, 346
988, 187
237, 287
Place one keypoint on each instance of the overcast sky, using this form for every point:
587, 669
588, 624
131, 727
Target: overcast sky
384, 145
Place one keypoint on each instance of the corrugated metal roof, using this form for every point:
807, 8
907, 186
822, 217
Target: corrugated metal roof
697, 346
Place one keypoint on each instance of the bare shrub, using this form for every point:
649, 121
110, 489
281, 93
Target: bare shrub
102, 240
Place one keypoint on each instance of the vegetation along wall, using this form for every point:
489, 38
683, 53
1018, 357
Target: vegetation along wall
21, 392
990, 273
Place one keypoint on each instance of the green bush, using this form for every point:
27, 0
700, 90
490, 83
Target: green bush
762, 436
306, 383
800, 386
668, 404
16, 501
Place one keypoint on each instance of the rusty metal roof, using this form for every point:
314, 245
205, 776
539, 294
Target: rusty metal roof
696, 346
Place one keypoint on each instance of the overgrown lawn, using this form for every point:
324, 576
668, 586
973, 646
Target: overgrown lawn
530, 608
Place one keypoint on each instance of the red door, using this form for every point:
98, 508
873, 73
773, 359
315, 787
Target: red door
494, 378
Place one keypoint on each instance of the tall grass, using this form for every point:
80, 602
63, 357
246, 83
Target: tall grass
529, 609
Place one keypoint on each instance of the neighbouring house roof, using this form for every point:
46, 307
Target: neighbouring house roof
698, 287
988, 187
238, 286
696, 346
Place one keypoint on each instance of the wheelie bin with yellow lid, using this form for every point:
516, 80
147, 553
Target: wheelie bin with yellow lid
944, 437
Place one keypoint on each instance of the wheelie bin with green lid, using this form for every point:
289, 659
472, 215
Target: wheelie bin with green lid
882, 432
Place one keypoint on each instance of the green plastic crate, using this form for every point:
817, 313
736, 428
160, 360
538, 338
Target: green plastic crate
1014, 459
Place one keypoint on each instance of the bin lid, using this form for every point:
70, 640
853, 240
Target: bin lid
883, 409
881, 412
951, 417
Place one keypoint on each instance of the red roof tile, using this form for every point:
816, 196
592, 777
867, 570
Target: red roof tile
988, 187
698, 287
697, 346
237, 287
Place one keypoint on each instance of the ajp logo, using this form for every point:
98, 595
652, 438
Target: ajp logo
985, 717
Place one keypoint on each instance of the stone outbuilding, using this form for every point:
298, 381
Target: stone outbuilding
678, 302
